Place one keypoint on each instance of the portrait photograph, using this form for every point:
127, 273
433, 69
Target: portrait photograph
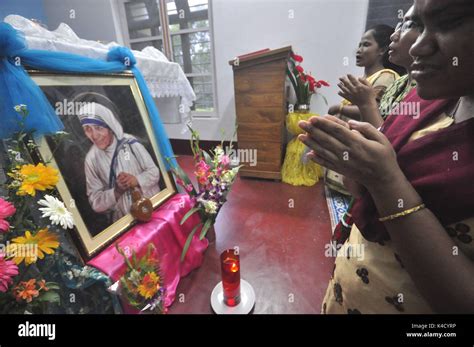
108, 151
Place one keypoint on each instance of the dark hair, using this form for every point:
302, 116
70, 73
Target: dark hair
381, 34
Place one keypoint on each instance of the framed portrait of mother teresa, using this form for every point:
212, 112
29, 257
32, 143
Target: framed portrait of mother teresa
108, 152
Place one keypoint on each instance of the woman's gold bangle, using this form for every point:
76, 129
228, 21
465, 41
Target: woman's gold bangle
341, 108
403, 213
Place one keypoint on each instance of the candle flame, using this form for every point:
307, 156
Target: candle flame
234, 267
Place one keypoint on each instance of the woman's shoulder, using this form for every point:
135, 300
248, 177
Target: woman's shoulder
385, 78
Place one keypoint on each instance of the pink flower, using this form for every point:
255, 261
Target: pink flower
324, 83
8, 269
225, 160
179, 181
6, 210
202, 172
189, 188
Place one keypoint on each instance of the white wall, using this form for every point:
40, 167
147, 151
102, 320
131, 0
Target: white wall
322, 31
93, 18
32, 9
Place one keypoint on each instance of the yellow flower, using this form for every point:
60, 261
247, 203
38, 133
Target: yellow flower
31, 247
37, 177
149, 286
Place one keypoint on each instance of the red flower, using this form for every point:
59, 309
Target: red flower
324, 83
299, 68
297, 57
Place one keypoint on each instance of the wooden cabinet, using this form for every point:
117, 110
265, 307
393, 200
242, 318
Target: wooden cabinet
260, 102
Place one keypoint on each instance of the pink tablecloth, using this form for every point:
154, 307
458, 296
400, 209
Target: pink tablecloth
168, 237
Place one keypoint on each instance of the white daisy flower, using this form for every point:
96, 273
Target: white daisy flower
20, 107
56, 212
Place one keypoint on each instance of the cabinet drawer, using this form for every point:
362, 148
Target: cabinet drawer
262, 132
266, 155
261, 115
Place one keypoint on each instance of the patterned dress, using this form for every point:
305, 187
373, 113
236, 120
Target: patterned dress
395, 93
369, 277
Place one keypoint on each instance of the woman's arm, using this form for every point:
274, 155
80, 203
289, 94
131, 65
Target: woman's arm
351, 111
361, 93
444, 277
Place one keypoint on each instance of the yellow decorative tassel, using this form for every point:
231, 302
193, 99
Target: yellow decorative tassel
297, 171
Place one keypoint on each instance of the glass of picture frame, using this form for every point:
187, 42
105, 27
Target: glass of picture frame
108, 150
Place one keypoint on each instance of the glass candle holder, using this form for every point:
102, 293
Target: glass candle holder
230, 268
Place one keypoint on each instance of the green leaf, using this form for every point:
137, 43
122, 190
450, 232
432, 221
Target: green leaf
121, 252
205, 228
233, 136
134, 259
52, 285
325, 100
179, 172
188, 241
292, 80
188, 214
49, 296
207, 157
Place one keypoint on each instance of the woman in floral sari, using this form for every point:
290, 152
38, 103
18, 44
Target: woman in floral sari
414, 215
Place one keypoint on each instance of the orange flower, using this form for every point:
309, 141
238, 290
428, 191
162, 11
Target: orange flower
26, 290
150, 285
42, 285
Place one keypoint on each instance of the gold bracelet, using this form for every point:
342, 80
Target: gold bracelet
341, 108
403, 213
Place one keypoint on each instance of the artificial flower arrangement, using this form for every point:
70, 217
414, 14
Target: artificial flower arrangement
215, 178
303, 83
141, 285
26, 243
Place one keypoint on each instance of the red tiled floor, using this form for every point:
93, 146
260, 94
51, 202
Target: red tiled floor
281, 248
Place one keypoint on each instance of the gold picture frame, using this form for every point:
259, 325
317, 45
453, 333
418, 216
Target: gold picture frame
121, 89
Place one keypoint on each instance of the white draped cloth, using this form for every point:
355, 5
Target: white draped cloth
164, 78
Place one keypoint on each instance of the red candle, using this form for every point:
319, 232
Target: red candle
230, 268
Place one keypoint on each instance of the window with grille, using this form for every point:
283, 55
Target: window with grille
181, 30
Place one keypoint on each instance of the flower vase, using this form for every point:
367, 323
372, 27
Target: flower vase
297, 170
302, 108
